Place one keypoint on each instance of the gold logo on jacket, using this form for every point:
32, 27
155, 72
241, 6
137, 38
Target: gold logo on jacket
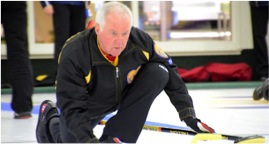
132, 74
160, 52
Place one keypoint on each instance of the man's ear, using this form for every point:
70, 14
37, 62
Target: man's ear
97, 28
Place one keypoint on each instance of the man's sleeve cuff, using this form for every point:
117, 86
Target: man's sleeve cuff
187, 112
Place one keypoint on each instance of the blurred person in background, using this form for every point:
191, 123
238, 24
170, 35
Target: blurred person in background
69, 18
259, 17
14, 20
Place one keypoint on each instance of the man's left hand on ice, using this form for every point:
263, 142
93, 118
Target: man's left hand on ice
198, 126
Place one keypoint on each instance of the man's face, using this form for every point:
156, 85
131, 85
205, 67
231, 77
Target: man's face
115, 33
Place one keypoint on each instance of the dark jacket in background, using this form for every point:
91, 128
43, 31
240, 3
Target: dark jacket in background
45, 3
258, 3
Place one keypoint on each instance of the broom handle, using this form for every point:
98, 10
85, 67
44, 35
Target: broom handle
177, 131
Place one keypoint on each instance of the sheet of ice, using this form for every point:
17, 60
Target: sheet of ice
228, 111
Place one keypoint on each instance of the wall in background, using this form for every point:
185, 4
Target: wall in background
44, 66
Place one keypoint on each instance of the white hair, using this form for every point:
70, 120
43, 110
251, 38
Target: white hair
112, 7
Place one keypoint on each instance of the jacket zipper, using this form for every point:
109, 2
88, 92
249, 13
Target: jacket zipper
118, 90
117, 72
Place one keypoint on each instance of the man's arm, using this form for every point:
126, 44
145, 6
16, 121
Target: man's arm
178, 93
71, 94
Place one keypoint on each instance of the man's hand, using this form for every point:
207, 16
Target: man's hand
198, 126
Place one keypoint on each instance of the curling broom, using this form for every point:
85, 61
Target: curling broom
257, 139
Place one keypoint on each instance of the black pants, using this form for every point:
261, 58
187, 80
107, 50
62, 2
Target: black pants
259, 16
14, 20
67, 21
127, 124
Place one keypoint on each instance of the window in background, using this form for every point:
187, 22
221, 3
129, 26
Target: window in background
175, 20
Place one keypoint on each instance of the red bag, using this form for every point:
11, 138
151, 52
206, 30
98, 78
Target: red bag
197, 74
217, 72
229, 72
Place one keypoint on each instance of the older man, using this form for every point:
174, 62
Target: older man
113, 66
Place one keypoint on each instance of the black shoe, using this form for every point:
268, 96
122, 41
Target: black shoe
257, 93
47, 111
262, 91
266, 89
23, 115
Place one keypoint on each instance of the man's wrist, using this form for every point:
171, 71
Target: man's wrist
187, 112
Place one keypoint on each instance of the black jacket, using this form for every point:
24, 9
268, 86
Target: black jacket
259, 3
89, 86
77, 3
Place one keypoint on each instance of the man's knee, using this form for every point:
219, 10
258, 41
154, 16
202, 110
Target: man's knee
156, 71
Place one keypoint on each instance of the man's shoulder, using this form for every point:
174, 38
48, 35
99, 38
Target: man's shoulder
141, 39
81, 38
77, 44
136, 30
139, 35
